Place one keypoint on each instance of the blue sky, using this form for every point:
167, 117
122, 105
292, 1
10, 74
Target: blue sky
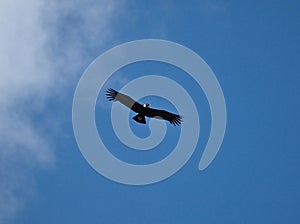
253, 48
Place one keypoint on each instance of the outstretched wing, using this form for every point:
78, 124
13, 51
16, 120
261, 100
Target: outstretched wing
113, 95
174, 119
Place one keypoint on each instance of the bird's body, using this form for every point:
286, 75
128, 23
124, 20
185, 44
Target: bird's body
143, 110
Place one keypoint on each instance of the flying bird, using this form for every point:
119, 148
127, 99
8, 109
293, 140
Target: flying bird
143, 110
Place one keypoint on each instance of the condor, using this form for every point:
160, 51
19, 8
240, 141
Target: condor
143, 110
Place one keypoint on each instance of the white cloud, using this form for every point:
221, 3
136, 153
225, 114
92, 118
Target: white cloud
42, 46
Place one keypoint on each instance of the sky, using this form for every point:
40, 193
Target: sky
252, 47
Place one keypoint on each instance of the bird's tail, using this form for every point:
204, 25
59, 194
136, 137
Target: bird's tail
139, 118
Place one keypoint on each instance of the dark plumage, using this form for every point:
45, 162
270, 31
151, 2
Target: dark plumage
141, 110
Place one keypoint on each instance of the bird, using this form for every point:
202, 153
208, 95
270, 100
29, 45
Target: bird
143, 110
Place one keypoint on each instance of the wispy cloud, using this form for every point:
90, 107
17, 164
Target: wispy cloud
42, 46
216, 7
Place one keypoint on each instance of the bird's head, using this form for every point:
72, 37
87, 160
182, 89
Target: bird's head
146, 105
